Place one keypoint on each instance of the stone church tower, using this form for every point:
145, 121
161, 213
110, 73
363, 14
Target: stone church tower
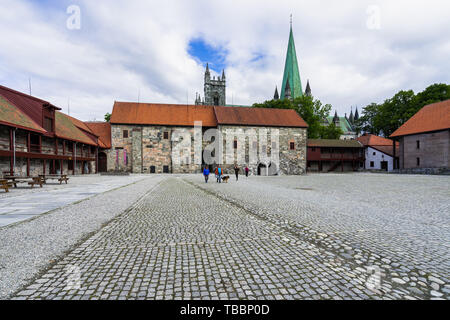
214, 90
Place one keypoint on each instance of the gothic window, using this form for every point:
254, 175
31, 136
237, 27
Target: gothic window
216, 101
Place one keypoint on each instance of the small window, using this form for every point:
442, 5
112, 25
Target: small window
418, 161
292, 145
418, 144
166, 134
152, 169
165, 169
372, 164
235, 144
48, 124
374, 153
125, 133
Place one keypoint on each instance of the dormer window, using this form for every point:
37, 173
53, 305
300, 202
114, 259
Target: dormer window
48, 124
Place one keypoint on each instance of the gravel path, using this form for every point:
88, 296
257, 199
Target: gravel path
30, 246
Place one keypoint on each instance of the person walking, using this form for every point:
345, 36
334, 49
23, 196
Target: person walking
206, 174
216, 173
236, 171
246, 171
219, 174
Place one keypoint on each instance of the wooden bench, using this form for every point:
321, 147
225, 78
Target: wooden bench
36, 180
4, 184
61, 178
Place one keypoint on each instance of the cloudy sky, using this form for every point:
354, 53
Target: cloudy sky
353, 52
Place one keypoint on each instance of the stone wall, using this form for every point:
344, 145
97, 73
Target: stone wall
292, 162
149, 150
433, 151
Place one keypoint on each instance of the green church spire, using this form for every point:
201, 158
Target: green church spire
291, 72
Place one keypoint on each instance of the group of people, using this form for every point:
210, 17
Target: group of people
218, 172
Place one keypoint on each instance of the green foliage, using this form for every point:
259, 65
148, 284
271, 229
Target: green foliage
388, 116
311, 110
107, 117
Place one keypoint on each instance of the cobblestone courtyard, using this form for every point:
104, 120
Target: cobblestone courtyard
330, 236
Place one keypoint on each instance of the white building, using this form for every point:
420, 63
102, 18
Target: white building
379, 152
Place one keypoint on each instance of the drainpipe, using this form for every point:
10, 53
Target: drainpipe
14, 151
74, 158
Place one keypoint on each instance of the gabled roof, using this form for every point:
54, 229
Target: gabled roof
162, 114
259, 117
103, 131
12, 116
29, 105
66, 129
334, 143
368, 139
433, 117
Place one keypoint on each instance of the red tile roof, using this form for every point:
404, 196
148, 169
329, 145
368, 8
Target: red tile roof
368, 139
29, 105
103, 131
162, 114
66, 129
259, 117
433, 117
12, 116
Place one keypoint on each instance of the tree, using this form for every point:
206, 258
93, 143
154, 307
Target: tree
330, 132
388, 116
107, 117
311, 110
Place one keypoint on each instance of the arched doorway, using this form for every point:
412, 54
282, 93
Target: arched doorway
102, 165
262, 169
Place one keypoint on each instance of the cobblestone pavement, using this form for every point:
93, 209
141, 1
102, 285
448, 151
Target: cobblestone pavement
23, 203
266, 238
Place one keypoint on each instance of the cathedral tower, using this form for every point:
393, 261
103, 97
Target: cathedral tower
291, 72
214, 89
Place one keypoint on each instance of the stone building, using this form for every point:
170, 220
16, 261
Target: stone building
425, 139
36, 138
214, 90
144, 138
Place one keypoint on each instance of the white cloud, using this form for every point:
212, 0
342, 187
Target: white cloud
126, 47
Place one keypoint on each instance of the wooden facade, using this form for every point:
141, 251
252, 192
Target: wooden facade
334, 156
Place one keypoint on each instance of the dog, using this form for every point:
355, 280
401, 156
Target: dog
225, 179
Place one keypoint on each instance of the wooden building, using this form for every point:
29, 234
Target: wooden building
328, 155
425, 139
36, 138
